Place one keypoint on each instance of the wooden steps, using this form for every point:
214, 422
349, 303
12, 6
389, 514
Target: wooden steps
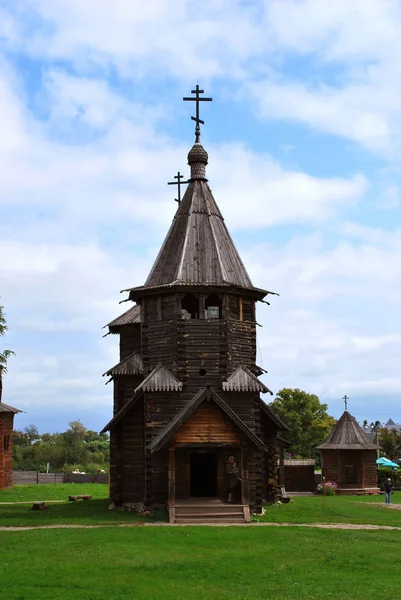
210, 512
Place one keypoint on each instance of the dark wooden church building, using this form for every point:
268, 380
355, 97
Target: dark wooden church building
186, 390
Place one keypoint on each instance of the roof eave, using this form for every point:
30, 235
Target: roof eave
136, 293
9, 409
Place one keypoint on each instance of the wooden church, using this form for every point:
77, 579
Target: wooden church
186, 391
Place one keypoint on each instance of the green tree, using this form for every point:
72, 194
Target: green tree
5, 354
307, 419
390, 443
32, 433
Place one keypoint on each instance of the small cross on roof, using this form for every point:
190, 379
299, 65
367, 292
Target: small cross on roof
197, 99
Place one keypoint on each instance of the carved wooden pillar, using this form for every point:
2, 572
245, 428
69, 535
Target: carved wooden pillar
171, 484
245, 484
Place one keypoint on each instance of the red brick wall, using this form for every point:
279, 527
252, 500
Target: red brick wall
6, 456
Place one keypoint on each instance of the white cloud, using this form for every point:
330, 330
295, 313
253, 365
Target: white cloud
256, 191
85, 208
334, 327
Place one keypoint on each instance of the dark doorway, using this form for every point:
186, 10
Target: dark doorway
203, 475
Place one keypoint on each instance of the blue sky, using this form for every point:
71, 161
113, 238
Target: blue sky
304, 143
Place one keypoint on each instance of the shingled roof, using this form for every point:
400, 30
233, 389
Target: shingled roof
130, 317
6, 408
242, 380
158, 380
132, 365
347, 435
198, 248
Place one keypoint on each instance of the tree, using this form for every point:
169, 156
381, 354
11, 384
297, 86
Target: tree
306, 418
32, 433
390, 443
5, 354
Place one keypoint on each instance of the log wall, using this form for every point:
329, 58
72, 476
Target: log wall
208, 425
336, 464
6, 449
130, 340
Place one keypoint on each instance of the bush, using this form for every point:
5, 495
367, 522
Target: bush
331, 488
384, 472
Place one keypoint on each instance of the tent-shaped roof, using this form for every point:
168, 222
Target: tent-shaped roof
205, 394
391, 425
198, 249
347, 434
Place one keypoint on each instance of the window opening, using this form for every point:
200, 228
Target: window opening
6, 442
213, 307
190, 307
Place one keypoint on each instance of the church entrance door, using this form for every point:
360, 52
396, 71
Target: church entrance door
203, 475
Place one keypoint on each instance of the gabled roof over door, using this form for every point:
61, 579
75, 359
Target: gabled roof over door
204, 395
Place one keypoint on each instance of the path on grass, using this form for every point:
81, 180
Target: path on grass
350, 526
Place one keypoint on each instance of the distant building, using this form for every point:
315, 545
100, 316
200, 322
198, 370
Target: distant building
6, 444
391, 425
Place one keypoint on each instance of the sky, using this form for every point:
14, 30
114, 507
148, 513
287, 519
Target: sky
304, 143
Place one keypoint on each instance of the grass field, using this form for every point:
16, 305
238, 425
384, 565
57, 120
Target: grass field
195, 563
60, 491
335, 509
200, 563
90, 512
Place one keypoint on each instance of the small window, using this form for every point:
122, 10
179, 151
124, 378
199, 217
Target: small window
213, 307
190, 307
6, 443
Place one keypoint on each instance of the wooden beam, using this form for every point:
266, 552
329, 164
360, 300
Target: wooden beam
171, 484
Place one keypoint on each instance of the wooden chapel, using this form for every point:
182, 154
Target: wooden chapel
186, 389
349, 458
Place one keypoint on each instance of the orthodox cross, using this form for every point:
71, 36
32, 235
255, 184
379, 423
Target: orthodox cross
179, 184
345, 398
197, 99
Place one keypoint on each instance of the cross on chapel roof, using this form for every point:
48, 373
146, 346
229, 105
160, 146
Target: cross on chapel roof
197, 99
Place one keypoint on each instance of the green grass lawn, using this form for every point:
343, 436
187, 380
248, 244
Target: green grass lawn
335, 509
89, 512
30, 493
200, 563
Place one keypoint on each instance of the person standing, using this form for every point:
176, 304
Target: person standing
388, 488
232, 477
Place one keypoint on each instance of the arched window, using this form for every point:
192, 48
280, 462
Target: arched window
190, 307
213, 307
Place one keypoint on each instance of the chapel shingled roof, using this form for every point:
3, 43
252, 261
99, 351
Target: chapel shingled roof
347, 434
198, 249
